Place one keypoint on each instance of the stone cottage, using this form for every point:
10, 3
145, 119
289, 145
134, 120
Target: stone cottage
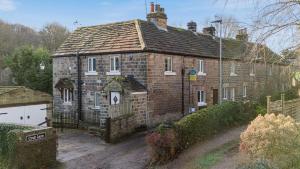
143, 67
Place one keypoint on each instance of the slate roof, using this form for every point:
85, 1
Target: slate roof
139, 35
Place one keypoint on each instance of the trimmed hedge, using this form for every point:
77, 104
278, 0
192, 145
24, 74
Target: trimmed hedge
207, 122
199, 126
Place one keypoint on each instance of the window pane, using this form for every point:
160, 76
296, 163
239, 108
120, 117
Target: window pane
166, 64
202, 96
199, 97
117, 64
89, 64
97, 99
112, 65
201, 66
94, 64
69, 95
169, 64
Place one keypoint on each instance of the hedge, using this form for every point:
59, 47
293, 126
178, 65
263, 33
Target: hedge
200, 126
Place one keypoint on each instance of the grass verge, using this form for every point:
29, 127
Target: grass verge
210, 159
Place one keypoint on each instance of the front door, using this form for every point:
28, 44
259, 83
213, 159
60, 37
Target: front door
215, 96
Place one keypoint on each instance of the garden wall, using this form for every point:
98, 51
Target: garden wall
32, 149
119, 127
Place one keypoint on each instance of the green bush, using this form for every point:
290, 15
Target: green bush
198, 127
257, 164
207, 122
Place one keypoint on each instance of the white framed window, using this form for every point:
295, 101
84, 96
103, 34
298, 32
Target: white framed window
201, 68
115, 64
244, 91
252, 69
270, 70
67, 96
169, 66
225, 93
97, 100
232, 94
91, 64
115, 98
232, 69
201, 98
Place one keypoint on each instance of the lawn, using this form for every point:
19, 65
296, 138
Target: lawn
212, 158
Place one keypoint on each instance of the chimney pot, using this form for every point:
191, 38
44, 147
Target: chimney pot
152, 7
192, 26
157, 8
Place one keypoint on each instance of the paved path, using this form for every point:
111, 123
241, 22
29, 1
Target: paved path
200, 149
82, 151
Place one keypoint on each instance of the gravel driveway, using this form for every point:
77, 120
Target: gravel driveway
79, 150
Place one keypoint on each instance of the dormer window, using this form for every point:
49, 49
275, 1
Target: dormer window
233, 69
114, 66
201, 68
91, 65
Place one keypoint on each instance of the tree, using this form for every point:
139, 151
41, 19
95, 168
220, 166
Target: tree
53, 35
26, 63
230, 27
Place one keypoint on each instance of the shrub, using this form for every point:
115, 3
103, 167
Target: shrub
257, 164
207, 122
162, 144
273, 137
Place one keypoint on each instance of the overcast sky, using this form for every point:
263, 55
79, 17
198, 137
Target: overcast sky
37, 13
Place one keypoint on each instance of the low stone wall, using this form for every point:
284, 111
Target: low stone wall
119, 127
35, 148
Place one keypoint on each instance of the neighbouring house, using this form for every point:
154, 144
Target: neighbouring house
20, 105
143, 67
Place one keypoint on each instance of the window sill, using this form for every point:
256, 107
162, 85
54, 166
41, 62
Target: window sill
67, 104
91, 73
113, 73
233, 74
202, 104
201, 74
96, 108
251, 74
167, 73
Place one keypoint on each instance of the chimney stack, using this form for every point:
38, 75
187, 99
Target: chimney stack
192, 26
152, 7
209, 30
242, 35
158, 16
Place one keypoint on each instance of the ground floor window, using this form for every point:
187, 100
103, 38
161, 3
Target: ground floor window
67, 95
97, 100
244, 91
229, 93
115, 98
201, 98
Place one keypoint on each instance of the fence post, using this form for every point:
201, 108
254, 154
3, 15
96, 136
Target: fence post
108, 129
268, 104
282, 103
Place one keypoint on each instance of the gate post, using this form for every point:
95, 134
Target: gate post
268, 104
108, 129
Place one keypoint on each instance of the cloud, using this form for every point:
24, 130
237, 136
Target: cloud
7, 5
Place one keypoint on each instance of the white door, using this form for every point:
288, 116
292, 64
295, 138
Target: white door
29, 115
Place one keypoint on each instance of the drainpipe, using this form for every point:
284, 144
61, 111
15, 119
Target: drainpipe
79, 83
182, 91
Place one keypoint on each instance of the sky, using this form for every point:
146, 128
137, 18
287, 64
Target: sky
37, 13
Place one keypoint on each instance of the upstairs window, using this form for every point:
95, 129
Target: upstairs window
168, 64
115, 64
233, 69
252, 69
201, 68
91, 64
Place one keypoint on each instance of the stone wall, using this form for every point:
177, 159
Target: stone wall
119, 127
35, 148
139, 107
66, 67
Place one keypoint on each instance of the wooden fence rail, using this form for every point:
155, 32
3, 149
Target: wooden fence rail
290, 107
